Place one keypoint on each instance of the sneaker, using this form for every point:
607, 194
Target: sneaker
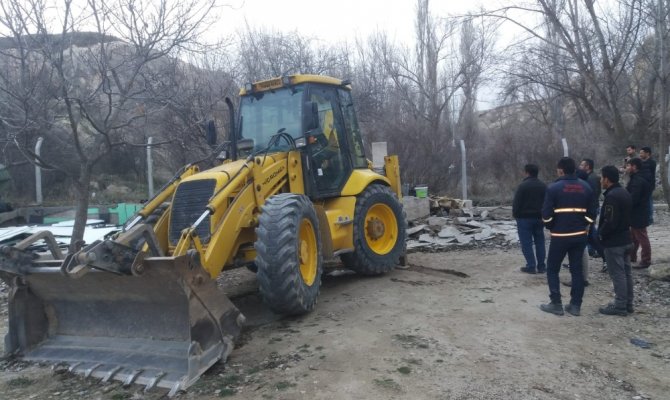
573, 309
611, 309
528, 270
630, 309
552, 308
541, 269
640, 266
566, 266
604, 267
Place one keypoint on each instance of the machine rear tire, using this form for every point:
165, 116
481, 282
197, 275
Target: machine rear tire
380, 231
288, 254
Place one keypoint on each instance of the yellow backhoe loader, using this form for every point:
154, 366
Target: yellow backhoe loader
294, 187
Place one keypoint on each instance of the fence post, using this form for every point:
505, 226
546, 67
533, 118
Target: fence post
150, 172
464, 173
38, 172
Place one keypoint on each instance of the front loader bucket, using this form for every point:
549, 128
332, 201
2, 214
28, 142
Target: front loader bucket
162, 328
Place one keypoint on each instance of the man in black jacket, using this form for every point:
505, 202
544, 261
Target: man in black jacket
614, 234
640, 191
527, 209
648, 172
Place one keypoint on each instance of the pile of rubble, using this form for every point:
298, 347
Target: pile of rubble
461, 226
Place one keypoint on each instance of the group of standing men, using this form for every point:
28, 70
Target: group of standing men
568, 207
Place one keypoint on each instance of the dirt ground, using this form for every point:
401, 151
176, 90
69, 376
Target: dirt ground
463, 324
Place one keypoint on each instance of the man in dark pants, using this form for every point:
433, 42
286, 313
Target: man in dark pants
527, 209
567, 212
648, 172
614, 232
640, 191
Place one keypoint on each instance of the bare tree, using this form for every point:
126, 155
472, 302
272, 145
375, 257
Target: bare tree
264, 54
445, 63
424, 81
659, 12
590, 45
99, 96
476, 51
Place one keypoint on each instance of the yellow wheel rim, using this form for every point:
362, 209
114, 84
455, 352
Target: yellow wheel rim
381, 228
307, 252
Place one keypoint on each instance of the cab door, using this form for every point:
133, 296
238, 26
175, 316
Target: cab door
329, 159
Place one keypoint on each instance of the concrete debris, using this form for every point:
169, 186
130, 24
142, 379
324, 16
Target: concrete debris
469, 226
415, 229
437, 221
434, 240
416, 208
660, 272
448, 231
485, 234
464, 239
448, 203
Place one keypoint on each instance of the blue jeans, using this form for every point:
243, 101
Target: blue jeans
558, 248
531, 231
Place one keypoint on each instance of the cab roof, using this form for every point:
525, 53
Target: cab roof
278, 82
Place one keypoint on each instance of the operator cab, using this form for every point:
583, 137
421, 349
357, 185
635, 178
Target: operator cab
318, 114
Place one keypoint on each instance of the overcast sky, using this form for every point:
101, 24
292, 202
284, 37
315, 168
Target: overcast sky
344, 20
337, 20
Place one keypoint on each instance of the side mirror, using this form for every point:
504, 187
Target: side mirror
310, 116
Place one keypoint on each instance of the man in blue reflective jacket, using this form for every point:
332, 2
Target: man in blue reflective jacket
567, 212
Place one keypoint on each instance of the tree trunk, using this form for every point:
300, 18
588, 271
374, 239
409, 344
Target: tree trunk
662, 138
81, 213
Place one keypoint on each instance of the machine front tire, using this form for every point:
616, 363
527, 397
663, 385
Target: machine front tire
288, 254
380, 230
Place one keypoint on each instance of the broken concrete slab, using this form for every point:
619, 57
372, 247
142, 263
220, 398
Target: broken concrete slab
464, 239
449, 232
485, 234
427, 238
474, 224
512, 238
416, 208
437, 221
415, 244
416, 229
